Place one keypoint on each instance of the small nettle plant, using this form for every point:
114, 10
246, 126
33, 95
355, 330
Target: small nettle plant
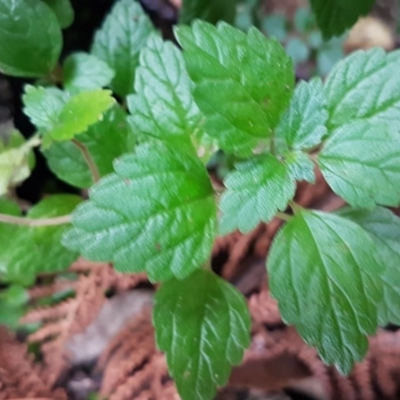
152, 206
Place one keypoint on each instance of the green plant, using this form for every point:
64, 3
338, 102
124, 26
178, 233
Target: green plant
152, 207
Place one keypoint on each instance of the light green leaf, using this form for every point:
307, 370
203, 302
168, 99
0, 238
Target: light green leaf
84, 71
243, 82
12, 302
43, 105
163, 106
42, 250
299, 165
302, 126
255, 191
325, 275
275, 25
335, 16
156, 213
119, 41
365, 85
16, 158
203, 325
81, 111
208, 10
384, 228
105, 141
298, 50
63, 10
361, 163
30, 38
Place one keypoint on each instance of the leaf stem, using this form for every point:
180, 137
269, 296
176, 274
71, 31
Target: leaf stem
295, 207
33, 222
283, 216
88, 159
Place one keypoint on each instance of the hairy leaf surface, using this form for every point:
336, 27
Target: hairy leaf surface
324, 272
335, 16
119, 41
203, 325
156, 213
105, 141
361, 163
384, 228
30, 38
364, 85
42, 249
243, 82
84, 71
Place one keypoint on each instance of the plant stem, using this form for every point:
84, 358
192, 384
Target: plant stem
88, 159
283, 216
32, 222
295, 207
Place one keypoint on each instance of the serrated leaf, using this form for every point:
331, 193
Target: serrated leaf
42, 250
242, 103
325, 275
162, 106
255, 191
63, 11
203, 325
30, 38
208, 10
16, 159
302, 126
384, 228
299, 165
119, 41
365, 85
156, 213
81, 111
105, 141
84, 71
361, 163
335, 16
43, 105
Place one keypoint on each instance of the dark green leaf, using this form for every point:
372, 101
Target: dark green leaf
105, 141
361, 163
157, 214
335, 16
42, 251
208, 10
63, 10
120, 40
384, 228
255, 191
30, 38
365, 85
203, 325
324, 272
243, 82
84, 71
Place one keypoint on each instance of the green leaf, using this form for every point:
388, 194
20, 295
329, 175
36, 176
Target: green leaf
12, 302
335, 16
43, 105
242, 102
30, 38
302, 126
299, 165
16, 159
84, 71
365, 85
325, 275
81, 111
208, 10
156, 213
384, 228
105, 141
119, 41
255, 191
63, 11
203, 325
163, 106
361, 163
42, 250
